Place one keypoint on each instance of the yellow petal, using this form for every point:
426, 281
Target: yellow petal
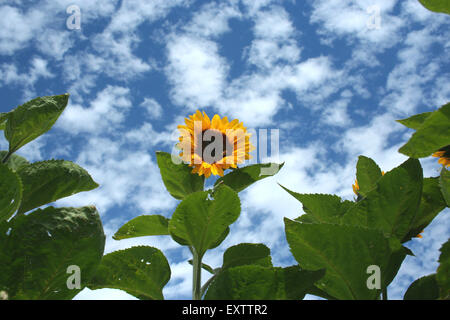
215, 122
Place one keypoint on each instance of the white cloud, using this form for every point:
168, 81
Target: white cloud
212, 19
275, 40
273, 24
196, 70
336, 114
105, 113
133, 13
54, 43
356, 19
152, 107
18, 28
11, 76
414, 72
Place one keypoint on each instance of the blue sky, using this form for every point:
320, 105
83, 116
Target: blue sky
331, 75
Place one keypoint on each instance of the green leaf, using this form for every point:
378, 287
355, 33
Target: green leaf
393, 204
444, 183
14, 162
32, 119
220, 239
344, 251
433, 135
177, 178
442, 6
253, 282
396, 259
244, 254
367, 174
10, 191
424, 288
443, 271
321, 207
48, 181
145, 225
3, 119
140, 271
247, 254
201, 222
416, 121
241, 178
42, 245
431, 204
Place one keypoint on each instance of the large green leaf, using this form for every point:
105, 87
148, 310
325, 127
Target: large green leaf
177, 178
254, 282
201, 221
444, 183
240, 255
393, 204
443, 271
424, 288
140, 271
367, 174
431, 136
241, 178
321, 207
14, 162
42, 246
3, 118
48, 181
247, 254
32, 119
345, 252
145, 225
442, 6
431, 204
415, 121
10, 192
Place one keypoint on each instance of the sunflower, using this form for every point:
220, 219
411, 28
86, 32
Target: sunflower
212, 146
444, 156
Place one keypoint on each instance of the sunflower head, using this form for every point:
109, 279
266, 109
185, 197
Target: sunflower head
444, 156
211, 146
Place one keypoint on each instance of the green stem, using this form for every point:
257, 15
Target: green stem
197, 276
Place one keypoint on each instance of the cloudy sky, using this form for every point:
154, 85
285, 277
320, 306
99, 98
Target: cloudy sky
330, 75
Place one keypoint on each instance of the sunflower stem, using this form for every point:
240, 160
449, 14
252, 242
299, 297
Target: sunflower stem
197, 276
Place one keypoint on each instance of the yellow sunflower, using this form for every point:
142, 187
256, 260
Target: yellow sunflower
444, 156
212, 146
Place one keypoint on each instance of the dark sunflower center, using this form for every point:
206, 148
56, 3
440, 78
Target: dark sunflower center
214, 146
